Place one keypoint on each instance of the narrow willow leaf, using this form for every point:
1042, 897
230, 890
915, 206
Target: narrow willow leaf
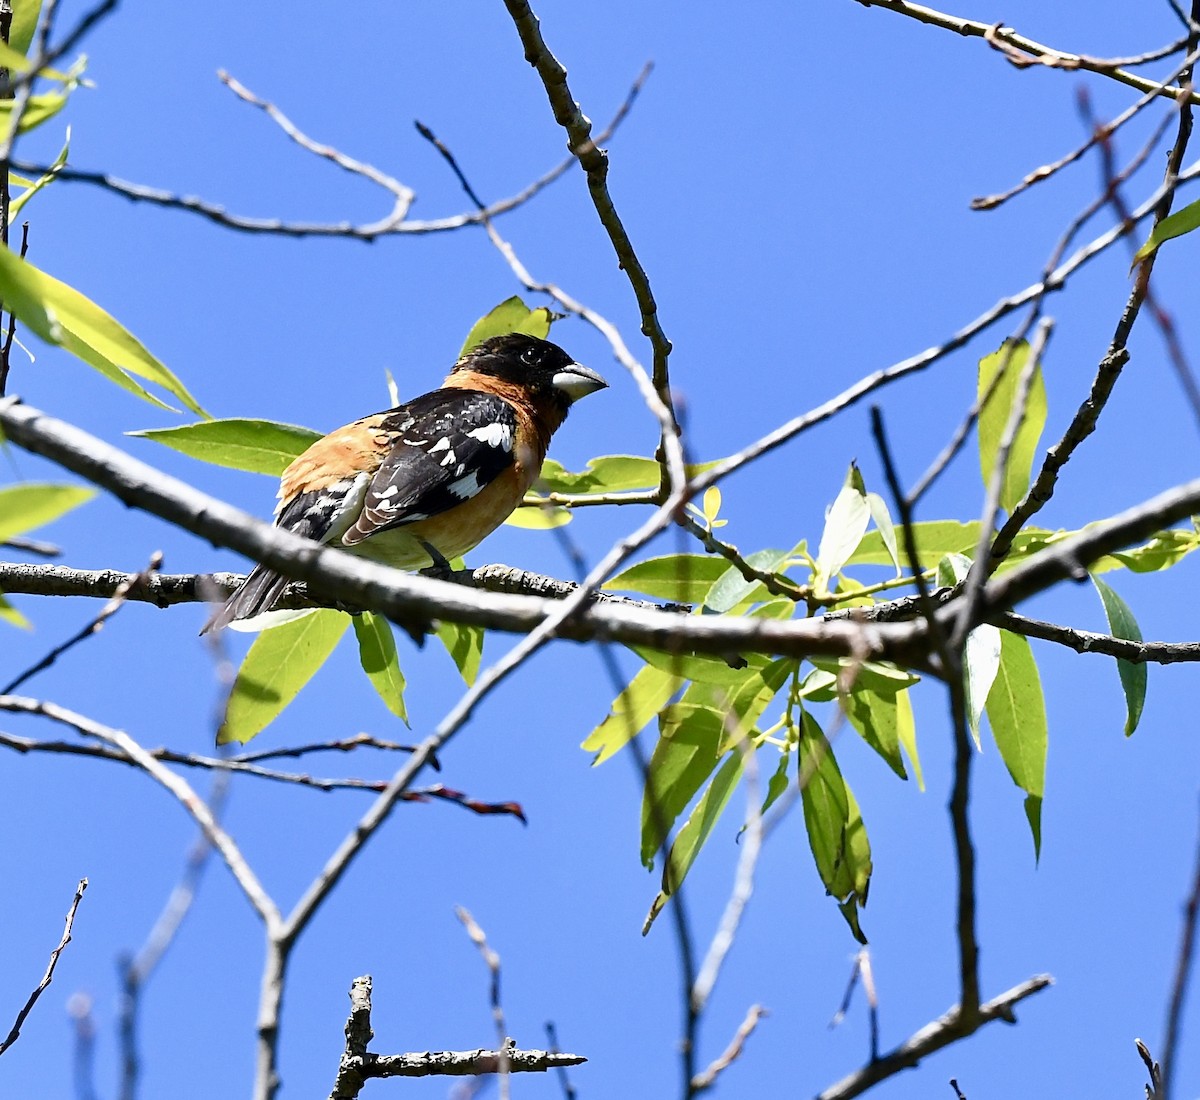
836, 833
34, 186
1164, 550
732, 589
24, 507
878, 676
878, 508
1122, 624
1173, 225
743, 701
685, 756
62, 316
545, 517
993, 418
15, 60
686, 578
981, 656
380, 661
695, 832
778, 782
464, 643
641, 699
606, 474
906, 730
876, 720
511, 315
279, 663
704, 669
24, 23
1017, 713
257, 446
845, 524
39, 109
10, 615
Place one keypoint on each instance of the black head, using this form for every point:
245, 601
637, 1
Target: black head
543, 368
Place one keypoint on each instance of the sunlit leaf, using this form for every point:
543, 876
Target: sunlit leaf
641, 699
874, 717
1017, 714
981, 656
685, 578
608, 474
743, 701
1173, 225
544, 517
906, 730
732, 589
34, 186
257, 446
836, 833
993, 418
24, 24
887, 530
380, 661
279, 663
62, 316
511, 315
845, 524
10, 615
1161, 551
690, 839
698, 667
1122, 624
464, 643
39, 109
34, 504
685, 756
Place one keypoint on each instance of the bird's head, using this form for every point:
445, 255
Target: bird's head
541, 368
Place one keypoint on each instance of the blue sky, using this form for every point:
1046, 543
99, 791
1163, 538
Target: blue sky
796, 180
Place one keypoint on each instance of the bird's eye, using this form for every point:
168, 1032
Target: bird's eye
529, 356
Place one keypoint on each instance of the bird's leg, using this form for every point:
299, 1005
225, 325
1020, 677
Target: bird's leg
440, 567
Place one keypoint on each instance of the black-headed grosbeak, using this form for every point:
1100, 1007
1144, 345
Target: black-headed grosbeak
430, 479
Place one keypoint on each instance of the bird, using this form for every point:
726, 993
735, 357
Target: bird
427, 480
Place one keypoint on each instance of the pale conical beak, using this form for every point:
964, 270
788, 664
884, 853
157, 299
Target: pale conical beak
577, 381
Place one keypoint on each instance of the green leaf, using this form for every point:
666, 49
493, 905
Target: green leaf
778, 782
464, 643
732, 589
10, 615
685, 578
877, 676
606, 474
24, 507
24, 23
1173, 225
704, 669
641, 699
836, 833
544, 517
1017, 713
695, 832
62, 316
380, 661
1163, 550
511, 315
906, 730
685, 756
887, 530
993, 418
279, 663
257, 446
39, 109
876, 720
743, 701
1122, 624
35, 186
981, 657
938, 538
845, 524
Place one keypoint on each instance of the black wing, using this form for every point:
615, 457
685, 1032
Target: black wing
446, 446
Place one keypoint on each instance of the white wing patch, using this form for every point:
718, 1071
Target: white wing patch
465, 487
494, 434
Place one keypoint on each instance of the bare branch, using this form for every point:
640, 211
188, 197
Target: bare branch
15, 1032
1183, 970
933, 1037
708, 1077
998, 35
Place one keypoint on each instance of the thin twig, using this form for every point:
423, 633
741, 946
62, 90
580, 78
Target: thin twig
564, 1078
1183, 970
708, 1078
996, 34
492, 961
94, 627
15, 1032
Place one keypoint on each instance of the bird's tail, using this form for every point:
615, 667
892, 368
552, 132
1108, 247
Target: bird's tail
258, 593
